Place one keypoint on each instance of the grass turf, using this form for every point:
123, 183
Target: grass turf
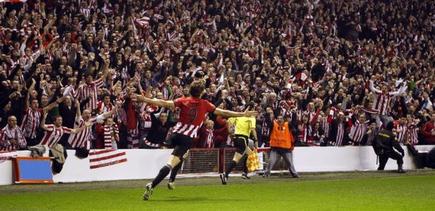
333, 191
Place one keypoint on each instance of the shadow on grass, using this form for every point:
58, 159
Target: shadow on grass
194, 199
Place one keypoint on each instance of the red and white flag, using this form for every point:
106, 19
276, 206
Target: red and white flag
143, 22
172, 36
13, 1
106, 157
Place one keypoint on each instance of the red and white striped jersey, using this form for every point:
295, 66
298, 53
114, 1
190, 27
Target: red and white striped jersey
80, 139
413, 134
193, 112
31, 122
8, 148
70, 91
401, 132
382, 102
209, 143
90, 91
370, 110
53, 134
205, 139
311, 115
303, 133
103, 108
340, 134
8, 134
357, 131
111, 134
326, 126
299, 114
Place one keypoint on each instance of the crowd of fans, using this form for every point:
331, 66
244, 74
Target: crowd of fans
339, 69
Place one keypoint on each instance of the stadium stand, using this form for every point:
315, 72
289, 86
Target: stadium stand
343, 69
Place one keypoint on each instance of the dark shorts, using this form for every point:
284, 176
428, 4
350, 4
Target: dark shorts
181, 144
240, 143
280, 151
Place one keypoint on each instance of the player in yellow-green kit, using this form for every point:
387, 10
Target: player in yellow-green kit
243, 128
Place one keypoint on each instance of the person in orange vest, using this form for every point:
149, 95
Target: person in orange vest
282, 143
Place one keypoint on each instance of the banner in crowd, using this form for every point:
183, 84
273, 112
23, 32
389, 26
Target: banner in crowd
13, 1
106, 157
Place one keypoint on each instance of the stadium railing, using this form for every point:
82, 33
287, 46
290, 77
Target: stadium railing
202, 160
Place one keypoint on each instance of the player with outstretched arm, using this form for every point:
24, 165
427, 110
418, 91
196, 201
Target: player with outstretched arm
193, 111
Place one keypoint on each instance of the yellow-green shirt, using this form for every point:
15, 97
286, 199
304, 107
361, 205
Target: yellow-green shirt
242, 125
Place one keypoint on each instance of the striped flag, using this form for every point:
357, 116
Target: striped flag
172, 36
7, 155
143, 22
106, 157
13, 1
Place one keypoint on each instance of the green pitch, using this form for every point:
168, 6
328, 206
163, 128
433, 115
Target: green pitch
337, 191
